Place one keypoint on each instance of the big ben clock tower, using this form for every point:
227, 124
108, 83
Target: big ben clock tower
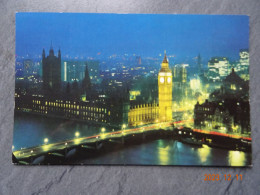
165, 91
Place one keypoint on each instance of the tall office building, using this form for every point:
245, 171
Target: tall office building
244, 64
138, 60
244, 58
72, 71
93, 69
180, 87
218, 68
51, 71
86, 84
75, 71
180, 73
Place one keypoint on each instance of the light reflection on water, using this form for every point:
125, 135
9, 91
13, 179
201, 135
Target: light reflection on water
237, 158
163, 153
31, 131
204, 153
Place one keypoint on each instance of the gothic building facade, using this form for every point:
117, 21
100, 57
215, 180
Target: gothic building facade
142, 114
51, 72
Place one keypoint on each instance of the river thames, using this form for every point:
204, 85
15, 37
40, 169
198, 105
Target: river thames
30, 130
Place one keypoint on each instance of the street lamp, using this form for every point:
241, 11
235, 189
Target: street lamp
77, 134
123, 128
103, 130
46, 140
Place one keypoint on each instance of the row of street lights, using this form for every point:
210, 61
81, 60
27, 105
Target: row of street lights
77, 134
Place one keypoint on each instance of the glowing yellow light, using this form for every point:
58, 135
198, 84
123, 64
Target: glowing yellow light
204, 153
162, 80
77, 134
237, 158
103, 130
164, 155
46, 140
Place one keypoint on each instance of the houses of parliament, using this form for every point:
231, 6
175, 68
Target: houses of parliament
111, 111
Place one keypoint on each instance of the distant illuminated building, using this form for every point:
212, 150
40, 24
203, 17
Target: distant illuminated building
180, 73
138, 60
244, 64
94, 72
213, 115
195, 84
165, 91
244, 58
231, 115
218, 68
27, 67
233, 82
65, 68
51, 71
133, 94
86, 84
180, 86
72, 71
75, 71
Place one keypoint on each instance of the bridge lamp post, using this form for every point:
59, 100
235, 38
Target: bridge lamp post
46, 140
123, 128
77, 134
103, 130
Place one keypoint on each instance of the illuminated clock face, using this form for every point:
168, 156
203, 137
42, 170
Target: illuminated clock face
162, 80
169, 80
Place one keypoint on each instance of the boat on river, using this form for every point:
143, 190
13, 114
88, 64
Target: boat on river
191, 141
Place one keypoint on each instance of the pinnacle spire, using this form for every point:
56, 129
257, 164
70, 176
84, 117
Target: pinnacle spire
51, 52
165, 57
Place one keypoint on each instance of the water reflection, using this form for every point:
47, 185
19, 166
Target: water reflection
204, 153
46, 147
163, 153
236, 158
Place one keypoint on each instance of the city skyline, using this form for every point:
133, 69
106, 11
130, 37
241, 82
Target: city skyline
90, 35
182, 107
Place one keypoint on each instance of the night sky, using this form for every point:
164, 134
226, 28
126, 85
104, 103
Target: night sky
147, 35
